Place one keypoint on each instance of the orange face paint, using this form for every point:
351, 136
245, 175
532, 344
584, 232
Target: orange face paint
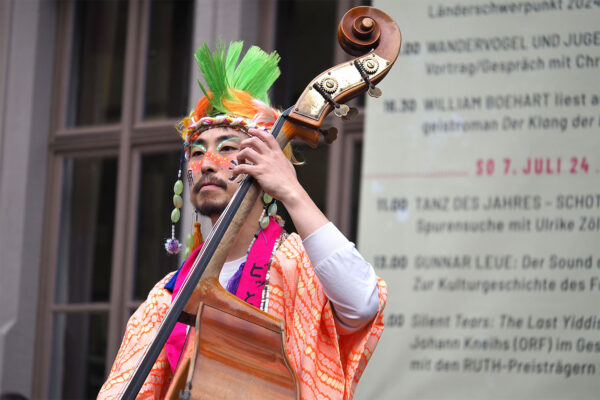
222, 162
195, 164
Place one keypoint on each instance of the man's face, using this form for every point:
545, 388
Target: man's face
209, 169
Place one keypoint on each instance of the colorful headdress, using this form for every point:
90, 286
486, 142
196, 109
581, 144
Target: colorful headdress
237, 92
236, 97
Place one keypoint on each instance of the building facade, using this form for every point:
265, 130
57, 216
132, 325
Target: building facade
89, 96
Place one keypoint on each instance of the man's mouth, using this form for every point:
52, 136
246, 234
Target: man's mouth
208, 186
209, 182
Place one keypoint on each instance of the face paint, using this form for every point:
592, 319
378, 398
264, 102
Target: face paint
221, 161
197, 146
190, 176
235, 138
195, 164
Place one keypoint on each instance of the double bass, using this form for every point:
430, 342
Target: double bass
233, 349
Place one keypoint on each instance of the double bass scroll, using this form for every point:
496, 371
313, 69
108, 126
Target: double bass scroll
374, 38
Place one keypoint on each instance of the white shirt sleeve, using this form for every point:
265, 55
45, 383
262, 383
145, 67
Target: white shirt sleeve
348, 280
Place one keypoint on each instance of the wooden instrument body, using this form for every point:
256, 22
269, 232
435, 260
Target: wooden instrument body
236, 352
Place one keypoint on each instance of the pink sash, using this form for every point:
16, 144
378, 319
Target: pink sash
250, 288
254, 276
176, 340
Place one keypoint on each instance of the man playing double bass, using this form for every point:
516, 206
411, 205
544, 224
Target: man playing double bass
315, 281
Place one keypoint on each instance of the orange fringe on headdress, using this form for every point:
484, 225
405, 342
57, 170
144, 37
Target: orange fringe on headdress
202, 107
244, 105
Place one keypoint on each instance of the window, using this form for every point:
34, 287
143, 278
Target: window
124, 75
296, 40
97, 63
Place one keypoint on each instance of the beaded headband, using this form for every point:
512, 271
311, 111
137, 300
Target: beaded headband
195, 128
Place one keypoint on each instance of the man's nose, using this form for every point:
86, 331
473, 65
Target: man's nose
209, 164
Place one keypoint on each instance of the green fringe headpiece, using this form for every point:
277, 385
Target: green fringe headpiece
229, 82
236, 93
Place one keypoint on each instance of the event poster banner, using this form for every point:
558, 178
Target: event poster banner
480, 202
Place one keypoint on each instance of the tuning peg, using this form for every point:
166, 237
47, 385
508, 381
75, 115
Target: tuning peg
352, 113
374, 91
341, 110
330, 134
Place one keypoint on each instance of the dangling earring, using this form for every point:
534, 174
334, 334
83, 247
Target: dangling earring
269, 210
194, 240
172, 245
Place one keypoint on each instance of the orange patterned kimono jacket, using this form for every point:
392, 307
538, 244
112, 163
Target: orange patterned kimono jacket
328, 365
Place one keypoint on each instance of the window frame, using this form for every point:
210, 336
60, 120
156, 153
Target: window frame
128, 140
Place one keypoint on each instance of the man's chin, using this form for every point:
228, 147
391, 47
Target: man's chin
211, 209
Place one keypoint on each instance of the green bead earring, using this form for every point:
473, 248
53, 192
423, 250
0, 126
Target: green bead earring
172, 245
269, 210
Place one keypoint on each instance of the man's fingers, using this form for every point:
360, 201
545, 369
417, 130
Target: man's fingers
242, 169
255, 143
266, 137
248, 154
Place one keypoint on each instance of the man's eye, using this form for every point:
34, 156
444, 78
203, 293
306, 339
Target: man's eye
228, 148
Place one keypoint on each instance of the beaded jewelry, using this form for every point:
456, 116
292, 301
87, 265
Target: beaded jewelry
269, 210
193, 240
172, 245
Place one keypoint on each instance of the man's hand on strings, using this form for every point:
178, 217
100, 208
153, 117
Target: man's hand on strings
261, 157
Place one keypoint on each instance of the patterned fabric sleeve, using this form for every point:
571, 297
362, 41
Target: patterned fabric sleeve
138, 335
328, 364
358, 346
